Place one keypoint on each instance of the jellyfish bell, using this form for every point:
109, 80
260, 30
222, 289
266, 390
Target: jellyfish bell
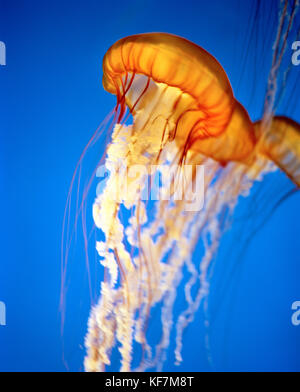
183, 111
165, 78
281, 144
186, 82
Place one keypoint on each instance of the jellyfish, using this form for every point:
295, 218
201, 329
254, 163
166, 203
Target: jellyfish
191, 133
179, 169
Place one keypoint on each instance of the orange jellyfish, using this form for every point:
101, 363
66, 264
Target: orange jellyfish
185, 116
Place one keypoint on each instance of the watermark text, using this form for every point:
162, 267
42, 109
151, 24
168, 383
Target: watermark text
2, 53
296, 54
154, 182
2, 313
296, 313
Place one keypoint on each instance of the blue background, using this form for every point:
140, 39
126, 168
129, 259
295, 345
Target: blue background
52, 100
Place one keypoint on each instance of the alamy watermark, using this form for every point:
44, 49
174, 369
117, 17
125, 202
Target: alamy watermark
2, 313
154, 182
296, 313
2, 53
296, 54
